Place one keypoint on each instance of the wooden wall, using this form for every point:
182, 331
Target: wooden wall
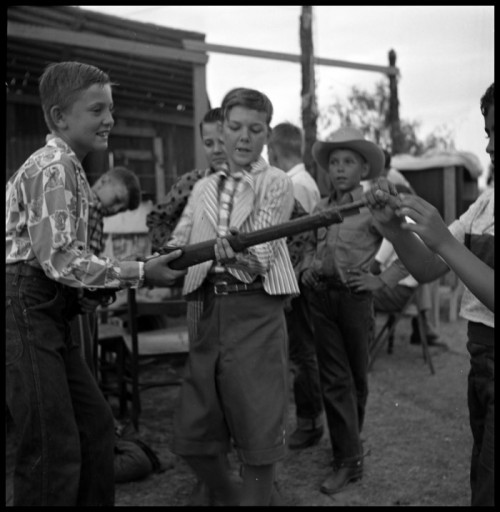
156, 151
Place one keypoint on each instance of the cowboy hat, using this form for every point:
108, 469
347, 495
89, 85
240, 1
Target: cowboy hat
348, 137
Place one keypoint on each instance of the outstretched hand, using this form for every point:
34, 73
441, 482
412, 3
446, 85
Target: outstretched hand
158, 273
427, 222
383, 201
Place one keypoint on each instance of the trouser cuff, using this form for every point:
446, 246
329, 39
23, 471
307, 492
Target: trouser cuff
310, 423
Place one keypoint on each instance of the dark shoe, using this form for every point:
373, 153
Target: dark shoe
304, 438
276, 498
415, 333
341, 476
201, 495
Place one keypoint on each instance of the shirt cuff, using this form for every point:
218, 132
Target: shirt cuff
142, 275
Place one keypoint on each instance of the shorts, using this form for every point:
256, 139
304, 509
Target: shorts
236, 380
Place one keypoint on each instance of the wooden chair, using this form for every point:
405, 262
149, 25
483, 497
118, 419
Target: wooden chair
446, 291
125, 349
386, 332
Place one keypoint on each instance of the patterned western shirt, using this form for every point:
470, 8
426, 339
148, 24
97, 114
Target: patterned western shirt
96, 224
47, 211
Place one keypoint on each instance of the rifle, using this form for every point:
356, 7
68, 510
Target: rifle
204, 251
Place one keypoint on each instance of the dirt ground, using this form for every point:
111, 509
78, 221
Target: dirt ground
416, 432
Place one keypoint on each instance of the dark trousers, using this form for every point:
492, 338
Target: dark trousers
341, 323
64, 426
481, 402
306, 387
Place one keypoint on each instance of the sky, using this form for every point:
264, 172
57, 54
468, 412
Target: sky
445, 56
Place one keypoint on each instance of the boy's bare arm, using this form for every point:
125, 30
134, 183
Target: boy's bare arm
385, 204
474, 273
430, 254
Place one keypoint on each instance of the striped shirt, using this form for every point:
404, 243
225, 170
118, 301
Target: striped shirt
265, 198
46, 225
476, 229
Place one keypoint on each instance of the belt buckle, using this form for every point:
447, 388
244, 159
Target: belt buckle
221, 288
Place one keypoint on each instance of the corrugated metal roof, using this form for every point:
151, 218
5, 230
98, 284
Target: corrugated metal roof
437, 158
156, 84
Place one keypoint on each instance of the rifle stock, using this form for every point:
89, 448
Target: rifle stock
203, 251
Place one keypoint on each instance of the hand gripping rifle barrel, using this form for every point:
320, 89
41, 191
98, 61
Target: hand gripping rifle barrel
204, 251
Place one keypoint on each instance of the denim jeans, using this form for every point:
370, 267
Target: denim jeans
481, 402
341, 324
302, 352
64, 426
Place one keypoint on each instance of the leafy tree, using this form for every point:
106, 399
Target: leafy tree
368, 112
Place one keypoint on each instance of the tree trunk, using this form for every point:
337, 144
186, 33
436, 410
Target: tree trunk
308, 93
393, 114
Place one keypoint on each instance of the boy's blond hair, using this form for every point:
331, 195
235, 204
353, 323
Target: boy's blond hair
62, 82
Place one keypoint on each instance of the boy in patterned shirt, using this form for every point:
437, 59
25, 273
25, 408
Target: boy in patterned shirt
66, 428
466, 247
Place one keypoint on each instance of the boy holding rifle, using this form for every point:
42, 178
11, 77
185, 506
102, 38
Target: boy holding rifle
235, 384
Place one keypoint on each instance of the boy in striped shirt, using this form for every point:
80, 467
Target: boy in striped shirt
235, 386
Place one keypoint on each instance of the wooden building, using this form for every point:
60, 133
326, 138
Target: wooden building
160, 93
447, 179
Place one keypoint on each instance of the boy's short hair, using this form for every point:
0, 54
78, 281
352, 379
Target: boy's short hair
488, 99
248, 98
212, 116
62, 82
131, 182
288, 138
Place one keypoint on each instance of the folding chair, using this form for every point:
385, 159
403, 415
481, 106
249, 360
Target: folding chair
386, 332
133, 348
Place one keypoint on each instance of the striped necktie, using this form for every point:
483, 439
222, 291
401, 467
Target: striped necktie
228, 187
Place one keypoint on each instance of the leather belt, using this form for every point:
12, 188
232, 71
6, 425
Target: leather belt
225, 288
334, 283
225, 283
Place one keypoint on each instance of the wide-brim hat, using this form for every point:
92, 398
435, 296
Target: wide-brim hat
350, 138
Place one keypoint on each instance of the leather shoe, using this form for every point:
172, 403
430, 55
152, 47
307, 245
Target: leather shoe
304, 438
341, 476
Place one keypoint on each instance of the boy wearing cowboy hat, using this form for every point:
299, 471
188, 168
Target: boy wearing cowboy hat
342, 316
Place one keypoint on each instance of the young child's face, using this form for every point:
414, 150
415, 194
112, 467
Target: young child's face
346, 168
245, 132
85, 125
489, 126
211, 135
112, 194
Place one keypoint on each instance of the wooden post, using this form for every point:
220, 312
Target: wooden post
200, 107
308, 93
392, 118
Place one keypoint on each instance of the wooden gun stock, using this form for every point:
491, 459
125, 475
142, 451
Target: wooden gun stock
204, 251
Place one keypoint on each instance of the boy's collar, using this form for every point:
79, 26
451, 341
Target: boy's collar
255, 167
346, 197
56, 142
